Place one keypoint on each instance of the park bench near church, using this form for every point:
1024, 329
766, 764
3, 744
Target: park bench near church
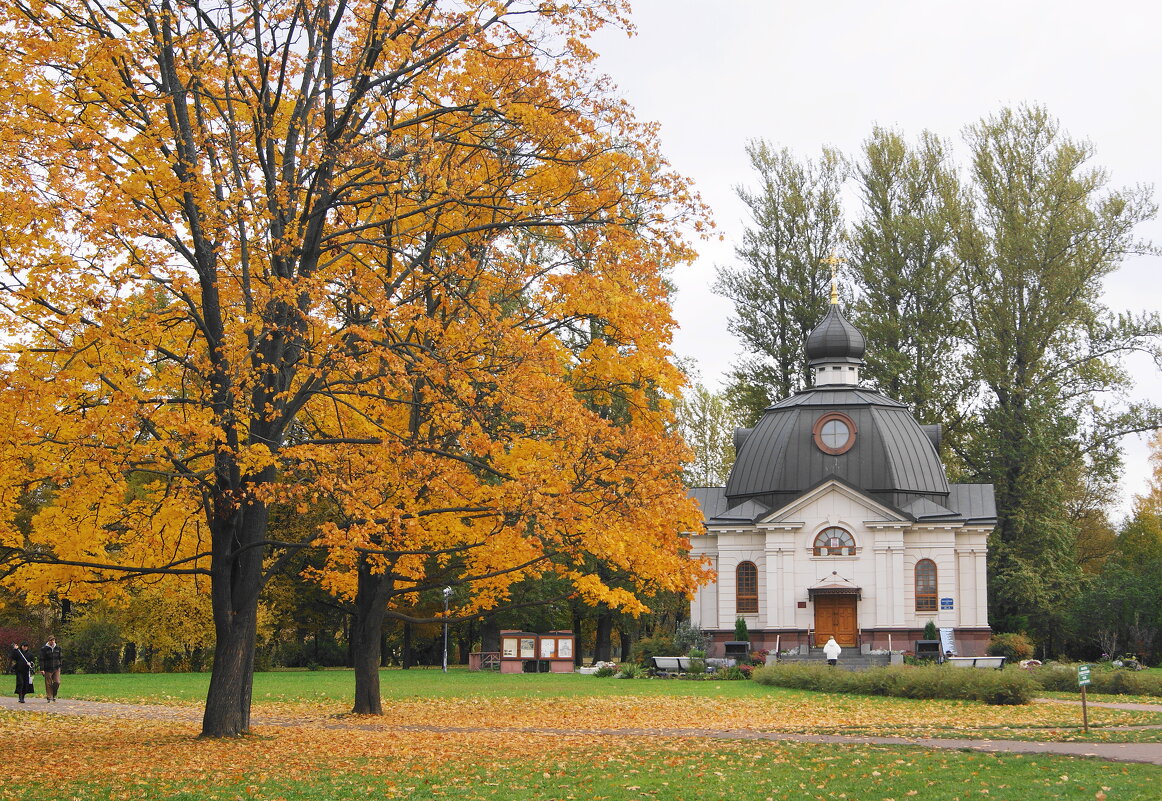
671, 664
995, 662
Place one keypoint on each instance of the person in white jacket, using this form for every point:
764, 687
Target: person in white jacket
832, 651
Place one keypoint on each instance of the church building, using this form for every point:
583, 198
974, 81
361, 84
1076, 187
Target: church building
838, 520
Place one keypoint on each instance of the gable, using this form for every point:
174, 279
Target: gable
833, 500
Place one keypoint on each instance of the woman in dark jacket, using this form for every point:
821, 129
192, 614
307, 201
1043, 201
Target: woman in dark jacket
22, 664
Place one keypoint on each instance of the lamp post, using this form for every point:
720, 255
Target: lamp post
447, 597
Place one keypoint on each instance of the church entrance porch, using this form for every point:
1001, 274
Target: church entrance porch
835, 616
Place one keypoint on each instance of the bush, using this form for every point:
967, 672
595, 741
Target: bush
94, 646
647, 648
631, 670
697, 662
1013, 646
688, 638
605, 670
930, 631
995, 687
1103, 679
735, 673
741, 632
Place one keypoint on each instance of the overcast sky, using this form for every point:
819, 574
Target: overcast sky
716, 73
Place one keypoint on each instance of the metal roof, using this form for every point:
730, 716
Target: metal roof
835, 340
976, 503
892, 455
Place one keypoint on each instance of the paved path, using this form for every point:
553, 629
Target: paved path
1149, 753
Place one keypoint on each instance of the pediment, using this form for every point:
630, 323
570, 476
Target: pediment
822, 501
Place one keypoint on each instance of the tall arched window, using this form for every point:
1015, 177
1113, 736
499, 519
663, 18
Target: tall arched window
746, 589
925, 586
834, 541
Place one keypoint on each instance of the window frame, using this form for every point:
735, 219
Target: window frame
821, 546
746, 603
927, 600
817, 433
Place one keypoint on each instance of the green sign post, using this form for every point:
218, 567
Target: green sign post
1083, 681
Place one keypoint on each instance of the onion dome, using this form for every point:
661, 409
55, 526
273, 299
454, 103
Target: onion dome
835, 340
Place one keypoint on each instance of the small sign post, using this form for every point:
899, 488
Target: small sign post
1083, 681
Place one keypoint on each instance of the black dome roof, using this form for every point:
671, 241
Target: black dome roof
891, 457
835, 340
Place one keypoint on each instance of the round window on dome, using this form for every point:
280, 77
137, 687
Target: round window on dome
834, 433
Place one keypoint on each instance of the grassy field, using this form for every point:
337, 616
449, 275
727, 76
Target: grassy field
470, 736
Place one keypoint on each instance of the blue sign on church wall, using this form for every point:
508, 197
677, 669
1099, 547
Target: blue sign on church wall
945, 604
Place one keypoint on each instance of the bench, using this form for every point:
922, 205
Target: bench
996, 662
671, 664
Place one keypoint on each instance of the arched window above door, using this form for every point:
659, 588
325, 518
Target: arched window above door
834, 541
746, 589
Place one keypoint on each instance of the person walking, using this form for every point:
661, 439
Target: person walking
832, 650
50, 665
22, 665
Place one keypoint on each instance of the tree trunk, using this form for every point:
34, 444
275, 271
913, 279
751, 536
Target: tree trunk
578, 656
489, 635
228, 700
407, 646
603, 644
235, 583
626, 644
366, 630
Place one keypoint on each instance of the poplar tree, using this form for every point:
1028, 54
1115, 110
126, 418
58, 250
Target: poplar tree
1042, 233
779, 287
910, 303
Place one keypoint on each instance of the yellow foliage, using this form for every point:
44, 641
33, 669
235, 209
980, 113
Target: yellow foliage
407, 290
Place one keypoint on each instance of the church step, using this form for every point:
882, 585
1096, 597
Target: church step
855, 661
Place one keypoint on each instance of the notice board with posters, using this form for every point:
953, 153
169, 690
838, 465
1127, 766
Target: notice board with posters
526, 652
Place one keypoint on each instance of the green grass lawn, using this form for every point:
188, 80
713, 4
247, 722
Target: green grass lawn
111, 760
338, 685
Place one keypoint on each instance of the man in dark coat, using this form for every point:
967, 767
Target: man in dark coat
50, 666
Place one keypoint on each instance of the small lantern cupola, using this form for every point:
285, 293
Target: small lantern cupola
835, 347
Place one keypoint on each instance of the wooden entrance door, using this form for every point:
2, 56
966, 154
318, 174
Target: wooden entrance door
835, 617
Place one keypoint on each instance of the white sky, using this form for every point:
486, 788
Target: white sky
716, 73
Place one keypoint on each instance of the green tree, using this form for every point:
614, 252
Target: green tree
911, 292
707, 422
779, 286
1041, 233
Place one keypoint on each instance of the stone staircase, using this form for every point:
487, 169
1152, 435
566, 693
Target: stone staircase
850, 659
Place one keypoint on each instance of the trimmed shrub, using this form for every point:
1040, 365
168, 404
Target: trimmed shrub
741, 632
930, 631
1013, 646
995, 687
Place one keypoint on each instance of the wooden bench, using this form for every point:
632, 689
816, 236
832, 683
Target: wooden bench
671, 664
996, 662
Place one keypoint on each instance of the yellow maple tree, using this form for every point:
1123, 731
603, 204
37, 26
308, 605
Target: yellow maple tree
404, 262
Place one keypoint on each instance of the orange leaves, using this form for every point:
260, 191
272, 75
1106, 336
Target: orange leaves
406, 290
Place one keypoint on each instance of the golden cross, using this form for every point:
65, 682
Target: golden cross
834, 262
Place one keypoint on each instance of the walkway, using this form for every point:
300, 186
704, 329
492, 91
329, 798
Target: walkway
1149, 753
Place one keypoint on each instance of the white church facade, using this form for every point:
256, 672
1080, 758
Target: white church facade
837, 519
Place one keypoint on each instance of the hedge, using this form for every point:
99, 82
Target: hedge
997, 687
1103, 679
